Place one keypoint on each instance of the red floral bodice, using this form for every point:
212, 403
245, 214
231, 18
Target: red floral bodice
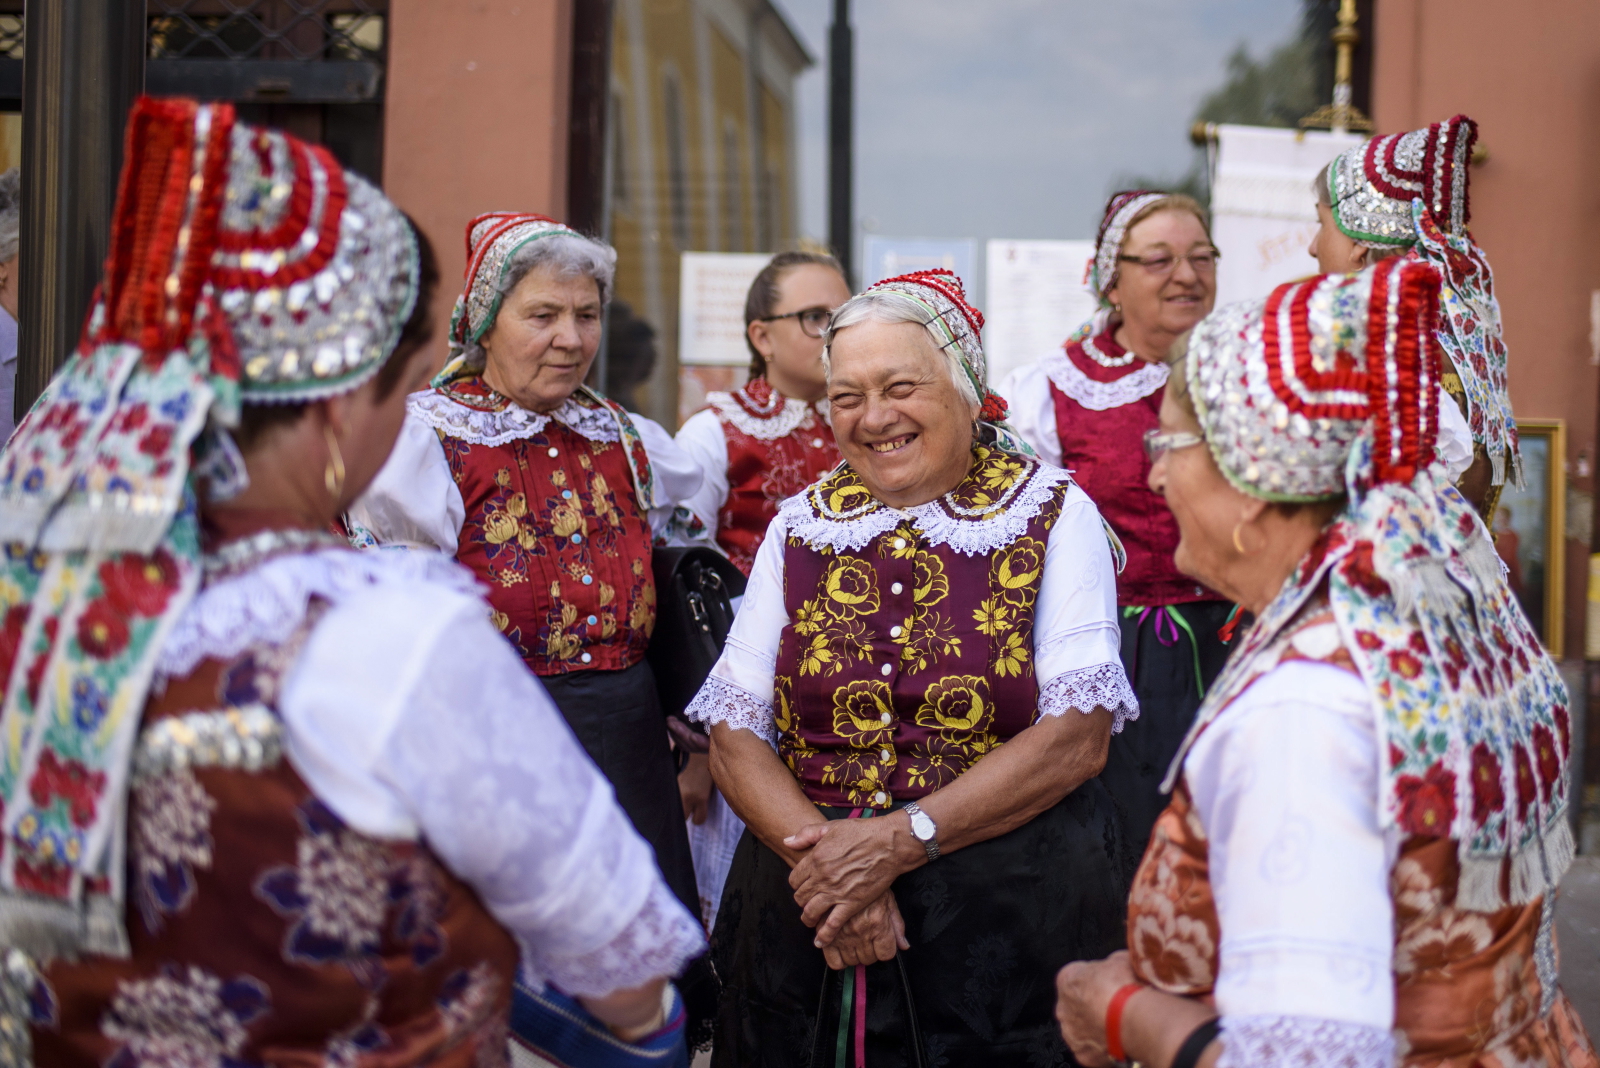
905, 662
1467, 984
777, 447
263, 928
554, 529
1102, 413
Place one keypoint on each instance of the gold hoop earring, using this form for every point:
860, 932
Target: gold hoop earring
333, 473
1237, 544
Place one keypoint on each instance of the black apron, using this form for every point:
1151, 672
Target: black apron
989, 927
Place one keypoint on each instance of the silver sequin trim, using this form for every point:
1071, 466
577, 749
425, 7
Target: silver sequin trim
248, 738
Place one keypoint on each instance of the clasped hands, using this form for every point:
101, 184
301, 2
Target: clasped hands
842, 885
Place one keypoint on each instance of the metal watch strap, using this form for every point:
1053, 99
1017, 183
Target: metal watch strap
930, 845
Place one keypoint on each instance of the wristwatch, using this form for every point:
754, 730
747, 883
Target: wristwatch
924, 828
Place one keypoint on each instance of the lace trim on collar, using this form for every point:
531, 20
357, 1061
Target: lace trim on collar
783, 421
1103, 396
266, 603
511, 423
838, 514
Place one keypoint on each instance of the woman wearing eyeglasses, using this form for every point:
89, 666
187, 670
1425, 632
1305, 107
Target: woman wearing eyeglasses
757, 445
769, 439
1087, 408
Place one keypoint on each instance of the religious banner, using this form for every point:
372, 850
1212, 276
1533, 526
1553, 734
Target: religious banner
1035, 297
1263, 210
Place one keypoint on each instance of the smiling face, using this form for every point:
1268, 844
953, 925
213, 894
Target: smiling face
1160, 302
544, 339
793, 357
897, 415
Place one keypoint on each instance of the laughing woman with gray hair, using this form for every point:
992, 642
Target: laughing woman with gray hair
10, 220
912, 706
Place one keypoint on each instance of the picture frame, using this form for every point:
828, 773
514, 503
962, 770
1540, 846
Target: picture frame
1530, 529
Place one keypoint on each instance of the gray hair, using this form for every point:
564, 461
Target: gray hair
10, 213
887, 306
568, 256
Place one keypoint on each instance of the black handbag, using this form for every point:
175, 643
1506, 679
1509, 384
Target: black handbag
695, 587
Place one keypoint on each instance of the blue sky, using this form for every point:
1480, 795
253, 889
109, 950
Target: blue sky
1015, 118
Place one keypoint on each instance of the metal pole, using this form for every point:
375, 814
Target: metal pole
83, 66
841, 139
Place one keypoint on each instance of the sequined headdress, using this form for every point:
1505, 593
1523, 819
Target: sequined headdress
1329, 388
245, 267
1411, 190
492, 240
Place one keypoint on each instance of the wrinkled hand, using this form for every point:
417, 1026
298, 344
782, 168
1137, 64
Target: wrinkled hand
870, 936
694, 787
1083, 992
848, 864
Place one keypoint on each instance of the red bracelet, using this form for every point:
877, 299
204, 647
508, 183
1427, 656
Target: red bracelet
1119, 1001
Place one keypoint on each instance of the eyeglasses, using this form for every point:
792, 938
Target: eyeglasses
814, 321
1201, 261
1157, 444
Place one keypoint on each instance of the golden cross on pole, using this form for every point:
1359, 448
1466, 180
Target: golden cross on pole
1341, 116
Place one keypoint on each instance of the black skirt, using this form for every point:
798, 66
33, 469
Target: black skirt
1160, 657
617, 716
989, 927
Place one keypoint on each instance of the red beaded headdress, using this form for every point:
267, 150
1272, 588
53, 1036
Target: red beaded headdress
492, 239
942, 292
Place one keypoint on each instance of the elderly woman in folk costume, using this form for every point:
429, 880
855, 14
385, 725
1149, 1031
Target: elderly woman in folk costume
552, 495
757, 446
1406, 194
913, 703
268, 799
1370, 817
1087, 408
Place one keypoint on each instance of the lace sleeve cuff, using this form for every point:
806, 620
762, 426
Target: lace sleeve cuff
1086, 689
1262, 1041
720, 701
659, 941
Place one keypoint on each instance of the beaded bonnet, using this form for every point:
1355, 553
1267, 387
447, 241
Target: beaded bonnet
1283, 387
245, 267
1119, 215
492, 240
1371, 187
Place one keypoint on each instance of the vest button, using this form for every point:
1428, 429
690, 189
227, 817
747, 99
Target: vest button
566, 495
576, 538
899, 543
894, 632
879, 798
884, 718
585, 658
593, 620
588, 580
896, 588
816, 443
885, 754
554, 452
888, 668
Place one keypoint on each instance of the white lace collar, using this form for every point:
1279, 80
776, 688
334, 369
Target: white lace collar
837, 513
511, 423
266, 603
1069, 378
784, 419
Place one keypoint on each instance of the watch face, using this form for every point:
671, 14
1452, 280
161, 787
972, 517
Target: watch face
922, 825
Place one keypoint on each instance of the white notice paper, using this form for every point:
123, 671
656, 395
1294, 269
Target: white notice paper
1037, 298
711, 295
1263, 210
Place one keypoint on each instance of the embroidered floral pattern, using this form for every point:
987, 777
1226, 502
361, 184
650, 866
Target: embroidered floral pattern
1172, 923
182, 1018
338, 890
170, 836
1103, 396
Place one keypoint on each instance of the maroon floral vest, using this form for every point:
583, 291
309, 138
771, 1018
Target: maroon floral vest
776, 448
263, 929
1102, 413
905, 659
554, 529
